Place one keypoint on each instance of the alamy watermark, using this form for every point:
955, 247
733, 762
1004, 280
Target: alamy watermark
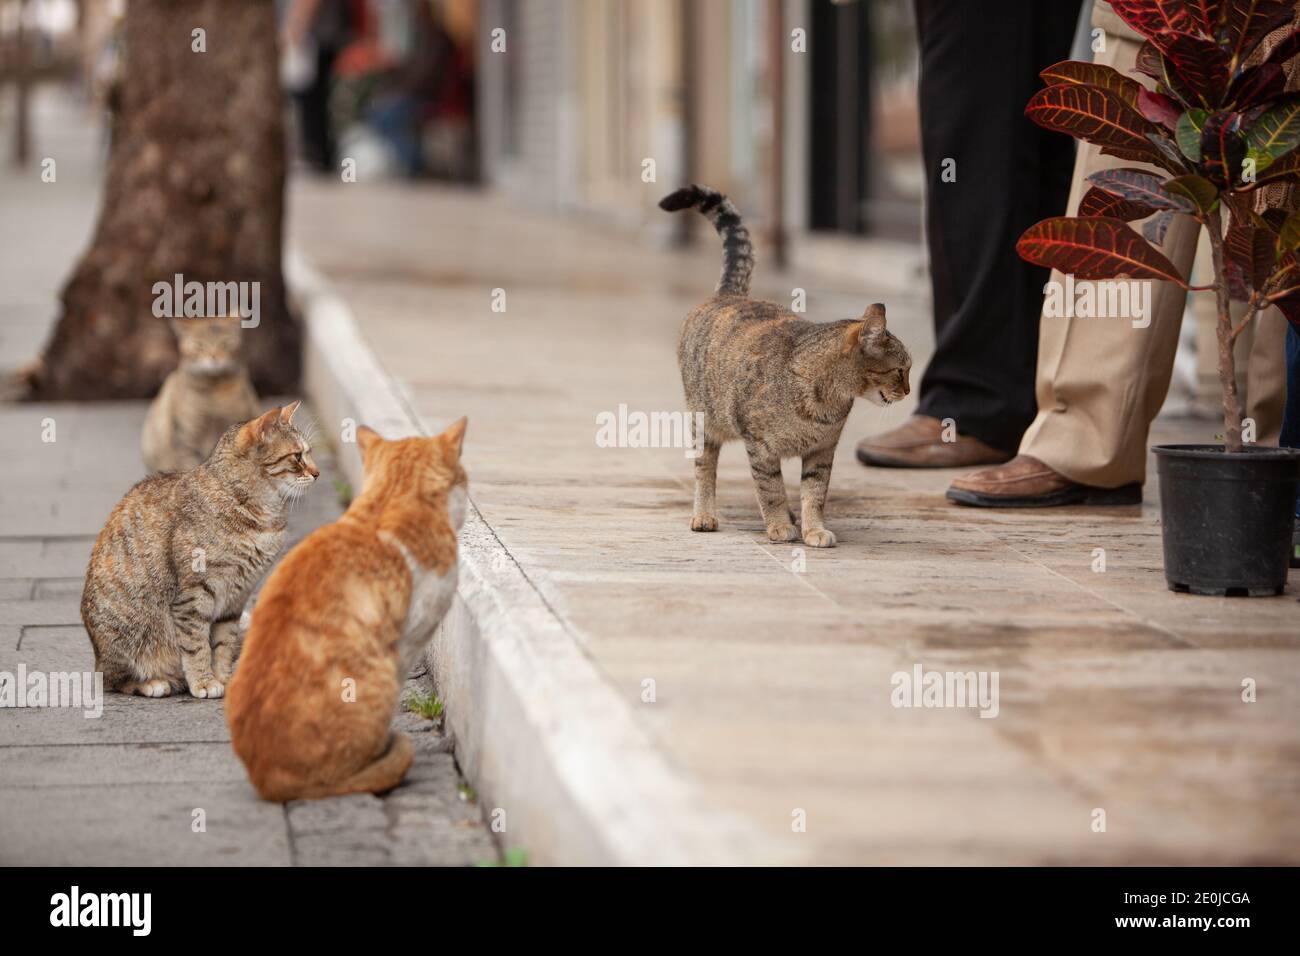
54, 689
922, 688
208, 300
1099, 299
634, 429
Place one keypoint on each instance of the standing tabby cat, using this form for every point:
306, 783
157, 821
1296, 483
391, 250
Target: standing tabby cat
207, 393
781, 385
340, 622
172, 568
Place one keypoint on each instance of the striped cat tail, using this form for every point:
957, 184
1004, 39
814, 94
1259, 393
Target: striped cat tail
737, 250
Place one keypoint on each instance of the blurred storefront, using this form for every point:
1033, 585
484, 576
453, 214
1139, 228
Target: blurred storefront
803, 110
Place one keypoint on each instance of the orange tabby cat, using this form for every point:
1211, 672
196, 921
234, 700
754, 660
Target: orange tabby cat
340, 622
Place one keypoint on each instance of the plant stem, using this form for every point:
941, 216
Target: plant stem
1223, 332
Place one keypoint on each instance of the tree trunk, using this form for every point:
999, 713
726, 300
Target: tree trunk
195, 186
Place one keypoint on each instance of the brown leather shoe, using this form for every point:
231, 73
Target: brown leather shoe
918, 443
1025, 482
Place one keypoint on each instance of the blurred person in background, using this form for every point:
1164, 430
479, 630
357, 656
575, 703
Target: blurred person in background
428, 91
977, 393
314, 33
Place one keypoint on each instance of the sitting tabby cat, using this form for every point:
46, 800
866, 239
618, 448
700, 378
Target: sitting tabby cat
781, 385
172, 568
207, 393
340, 622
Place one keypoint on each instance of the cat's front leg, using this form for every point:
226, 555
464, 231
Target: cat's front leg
226, 638
814, 481
192, 614
706, 483
766, 469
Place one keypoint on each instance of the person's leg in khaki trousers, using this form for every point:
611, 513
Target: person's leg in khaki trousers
1101, 381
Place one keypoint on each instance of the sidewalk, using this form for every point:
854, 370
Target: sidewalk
125, 788
772, 665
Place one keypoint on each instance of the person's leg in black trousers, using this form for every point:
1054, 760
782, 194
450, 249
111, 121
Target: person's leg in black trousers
314, 113
979, 67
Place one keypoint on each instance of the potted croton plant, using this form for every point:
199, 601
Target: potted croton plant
1220, 125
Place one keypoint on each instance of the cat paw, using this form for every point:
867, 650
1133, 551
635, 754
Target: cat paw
820, 538
209, 688
785, 532
149, 688
704, 523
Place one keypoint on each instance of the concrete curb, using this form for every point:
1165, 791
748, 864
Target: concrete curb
551, 748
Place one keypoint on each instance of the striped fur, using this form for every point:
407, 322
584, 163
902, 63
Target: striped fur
737, 250
783, 386
181, 552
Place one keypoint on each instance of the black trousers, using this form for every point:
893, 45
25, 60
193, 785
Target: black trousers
979, 67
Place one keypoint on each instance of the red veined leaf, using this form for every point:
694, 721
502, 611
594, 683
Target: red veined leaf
1093, 74
1094, 249
1208, 12
1150, 62
1202, 193
1097, 202
1275, 133
1250, 257
1256, 85
1222, 147
1153, 18
1202, 67
1154, 229
1159, 108
1098, 116
1246, 22
1140, 186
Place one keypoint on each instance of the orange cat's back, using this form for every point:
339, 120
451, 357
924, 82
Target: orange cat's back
339, 623
312, 697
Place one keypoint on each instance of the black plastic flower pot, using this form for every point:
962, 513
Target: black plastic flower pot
1227, 519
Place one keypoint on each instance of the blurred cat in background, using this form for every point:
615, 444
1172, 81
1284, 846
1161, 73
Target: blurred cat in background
207, 393
781, 385
340, 622
175, 563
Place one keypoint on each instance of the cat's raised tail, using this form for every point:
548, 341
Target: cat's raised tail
737, 250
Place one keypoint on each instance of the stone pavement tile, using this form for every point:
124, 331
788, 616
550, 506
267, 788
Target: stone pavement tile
98, 764
147, 824
126, 720
38, 557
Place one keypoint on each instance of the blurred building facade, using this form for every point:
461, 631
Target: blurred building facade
804, 111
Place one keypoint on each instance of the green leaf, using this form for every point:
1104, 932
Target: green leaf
1275, 133
1188, 133
1288, 240
1203, 193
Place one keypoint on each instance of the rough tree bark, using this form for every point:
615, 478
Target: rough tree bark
195, 186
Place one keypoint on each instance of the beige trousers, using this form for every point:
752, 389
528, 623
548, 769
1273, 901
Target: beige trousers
1101, 381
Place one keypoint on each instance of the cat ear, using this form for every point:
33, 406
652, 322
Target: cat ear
871, 328
253, 432
286, 413
366, 437
454, 436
